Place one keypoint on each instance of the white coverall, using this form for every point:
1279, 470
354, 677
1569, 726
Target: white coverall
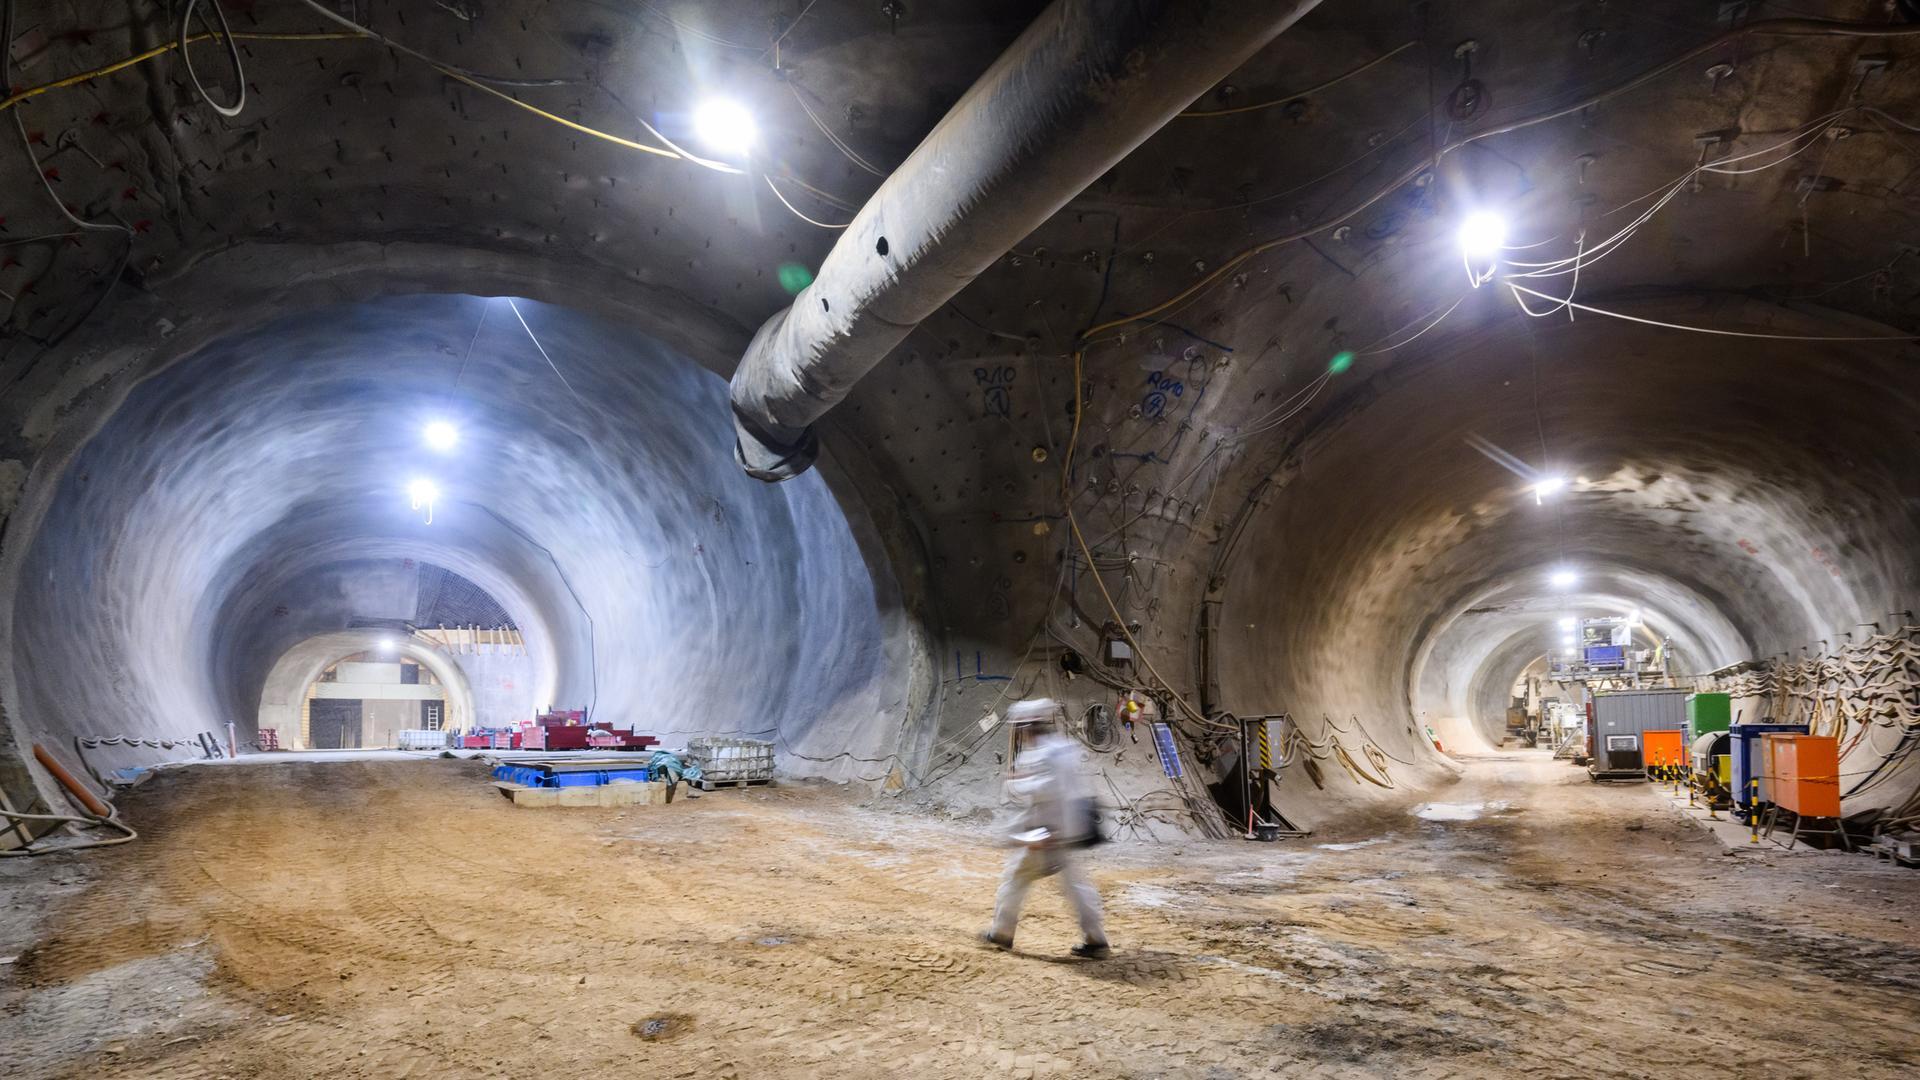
1046, 777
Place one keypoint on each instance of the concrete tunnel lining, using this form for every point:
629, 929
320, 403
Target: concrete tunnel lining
1725, 525
609, 293
204, 497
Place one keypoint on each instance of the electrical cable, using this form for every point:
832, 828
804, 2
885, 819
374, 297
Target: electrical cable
774, 48
81, 743
37, 848
109, 819
36, 239
479, 82
542, 348
17, 97
452, 69
1697, 329
1196, 114
1073, 523
476, 80
1403, 344
712, 39
795, 210
838, 143
233, 57
688, 155
1667, 193
26, 147
1773, 27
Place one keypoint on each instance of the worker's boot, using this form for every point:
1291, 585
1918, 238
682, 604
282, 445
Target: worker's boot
987, 938
1092, 950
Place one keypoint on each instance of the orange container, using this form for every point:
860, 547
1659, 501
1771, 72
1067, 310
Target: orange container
1663, 750
1805, 773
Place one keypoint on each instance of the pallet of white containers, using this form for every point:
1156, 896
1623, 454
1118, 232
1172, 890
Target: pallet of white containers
732, 761
422, 739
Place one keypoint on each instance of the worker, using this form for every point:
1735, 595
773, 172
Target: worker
1057, 817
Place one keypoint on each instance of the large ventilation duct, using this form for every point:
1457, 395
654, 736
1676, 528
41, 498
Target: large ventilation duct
1084, 85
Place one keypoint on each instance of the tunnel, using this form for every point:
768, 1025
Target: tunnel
260, 493
613, 526
1687, 514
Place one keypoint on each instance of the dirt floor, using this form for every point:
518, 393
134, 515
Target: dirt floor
402, 919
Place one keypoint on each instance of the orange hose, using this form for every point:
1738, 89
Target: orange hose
86, 798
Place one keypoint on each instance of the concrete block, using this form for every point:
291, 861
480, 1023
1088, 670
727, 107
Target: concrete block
522, 795
620, 793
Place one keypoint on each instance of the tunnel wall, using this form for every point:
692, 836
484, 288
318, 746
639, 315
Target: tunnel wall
668, 590
1400, 572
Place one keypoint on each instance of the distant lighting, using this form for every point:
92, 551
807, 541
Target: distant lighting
424, 494
1563, 579
1340, 363
1548, 486
725, 126
386, 646
1482, 235
441, 435
1633, 617
1567, 640
1567, 623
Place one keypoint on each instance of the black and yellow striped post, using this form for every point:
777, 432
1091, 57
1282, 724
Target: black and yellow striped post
1266, 747
1753, 811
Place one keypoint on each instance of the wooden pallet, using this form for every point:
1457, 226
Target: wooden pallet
711, 785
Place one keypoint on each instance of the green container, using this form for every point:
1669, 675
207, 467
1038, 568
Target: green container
1708, 712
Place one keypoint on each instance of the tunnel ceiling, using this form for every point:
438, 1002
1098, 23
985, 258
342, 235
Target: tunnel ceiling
1284, 433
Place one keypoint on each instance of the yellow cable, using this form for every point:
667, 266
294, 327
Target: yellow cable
561, 120
159, 50
162, 50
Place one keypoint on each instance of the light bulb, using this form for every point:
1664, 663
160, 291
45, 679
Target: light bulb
1483, 234
725, 126
441, 435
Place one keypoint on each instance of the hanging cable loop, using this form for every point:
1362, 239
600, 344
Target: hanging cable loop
225, 34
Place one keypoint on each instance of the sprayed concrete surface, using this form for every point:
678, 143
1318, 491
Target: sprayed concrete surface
383, 919
246, 500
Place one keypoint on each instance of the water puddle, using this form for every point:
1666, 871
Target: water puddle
1457, 811
1354, 846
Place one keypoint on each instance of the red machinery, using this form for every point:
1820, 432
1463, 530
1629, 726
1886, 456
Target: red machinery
491, 739
567, 730
608, 737
554, 737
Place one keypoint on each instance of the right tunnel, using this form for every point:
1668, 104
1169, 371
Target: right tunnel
1747, 498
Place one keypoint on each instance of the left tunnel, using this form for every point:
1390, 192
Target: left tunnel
262, 492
